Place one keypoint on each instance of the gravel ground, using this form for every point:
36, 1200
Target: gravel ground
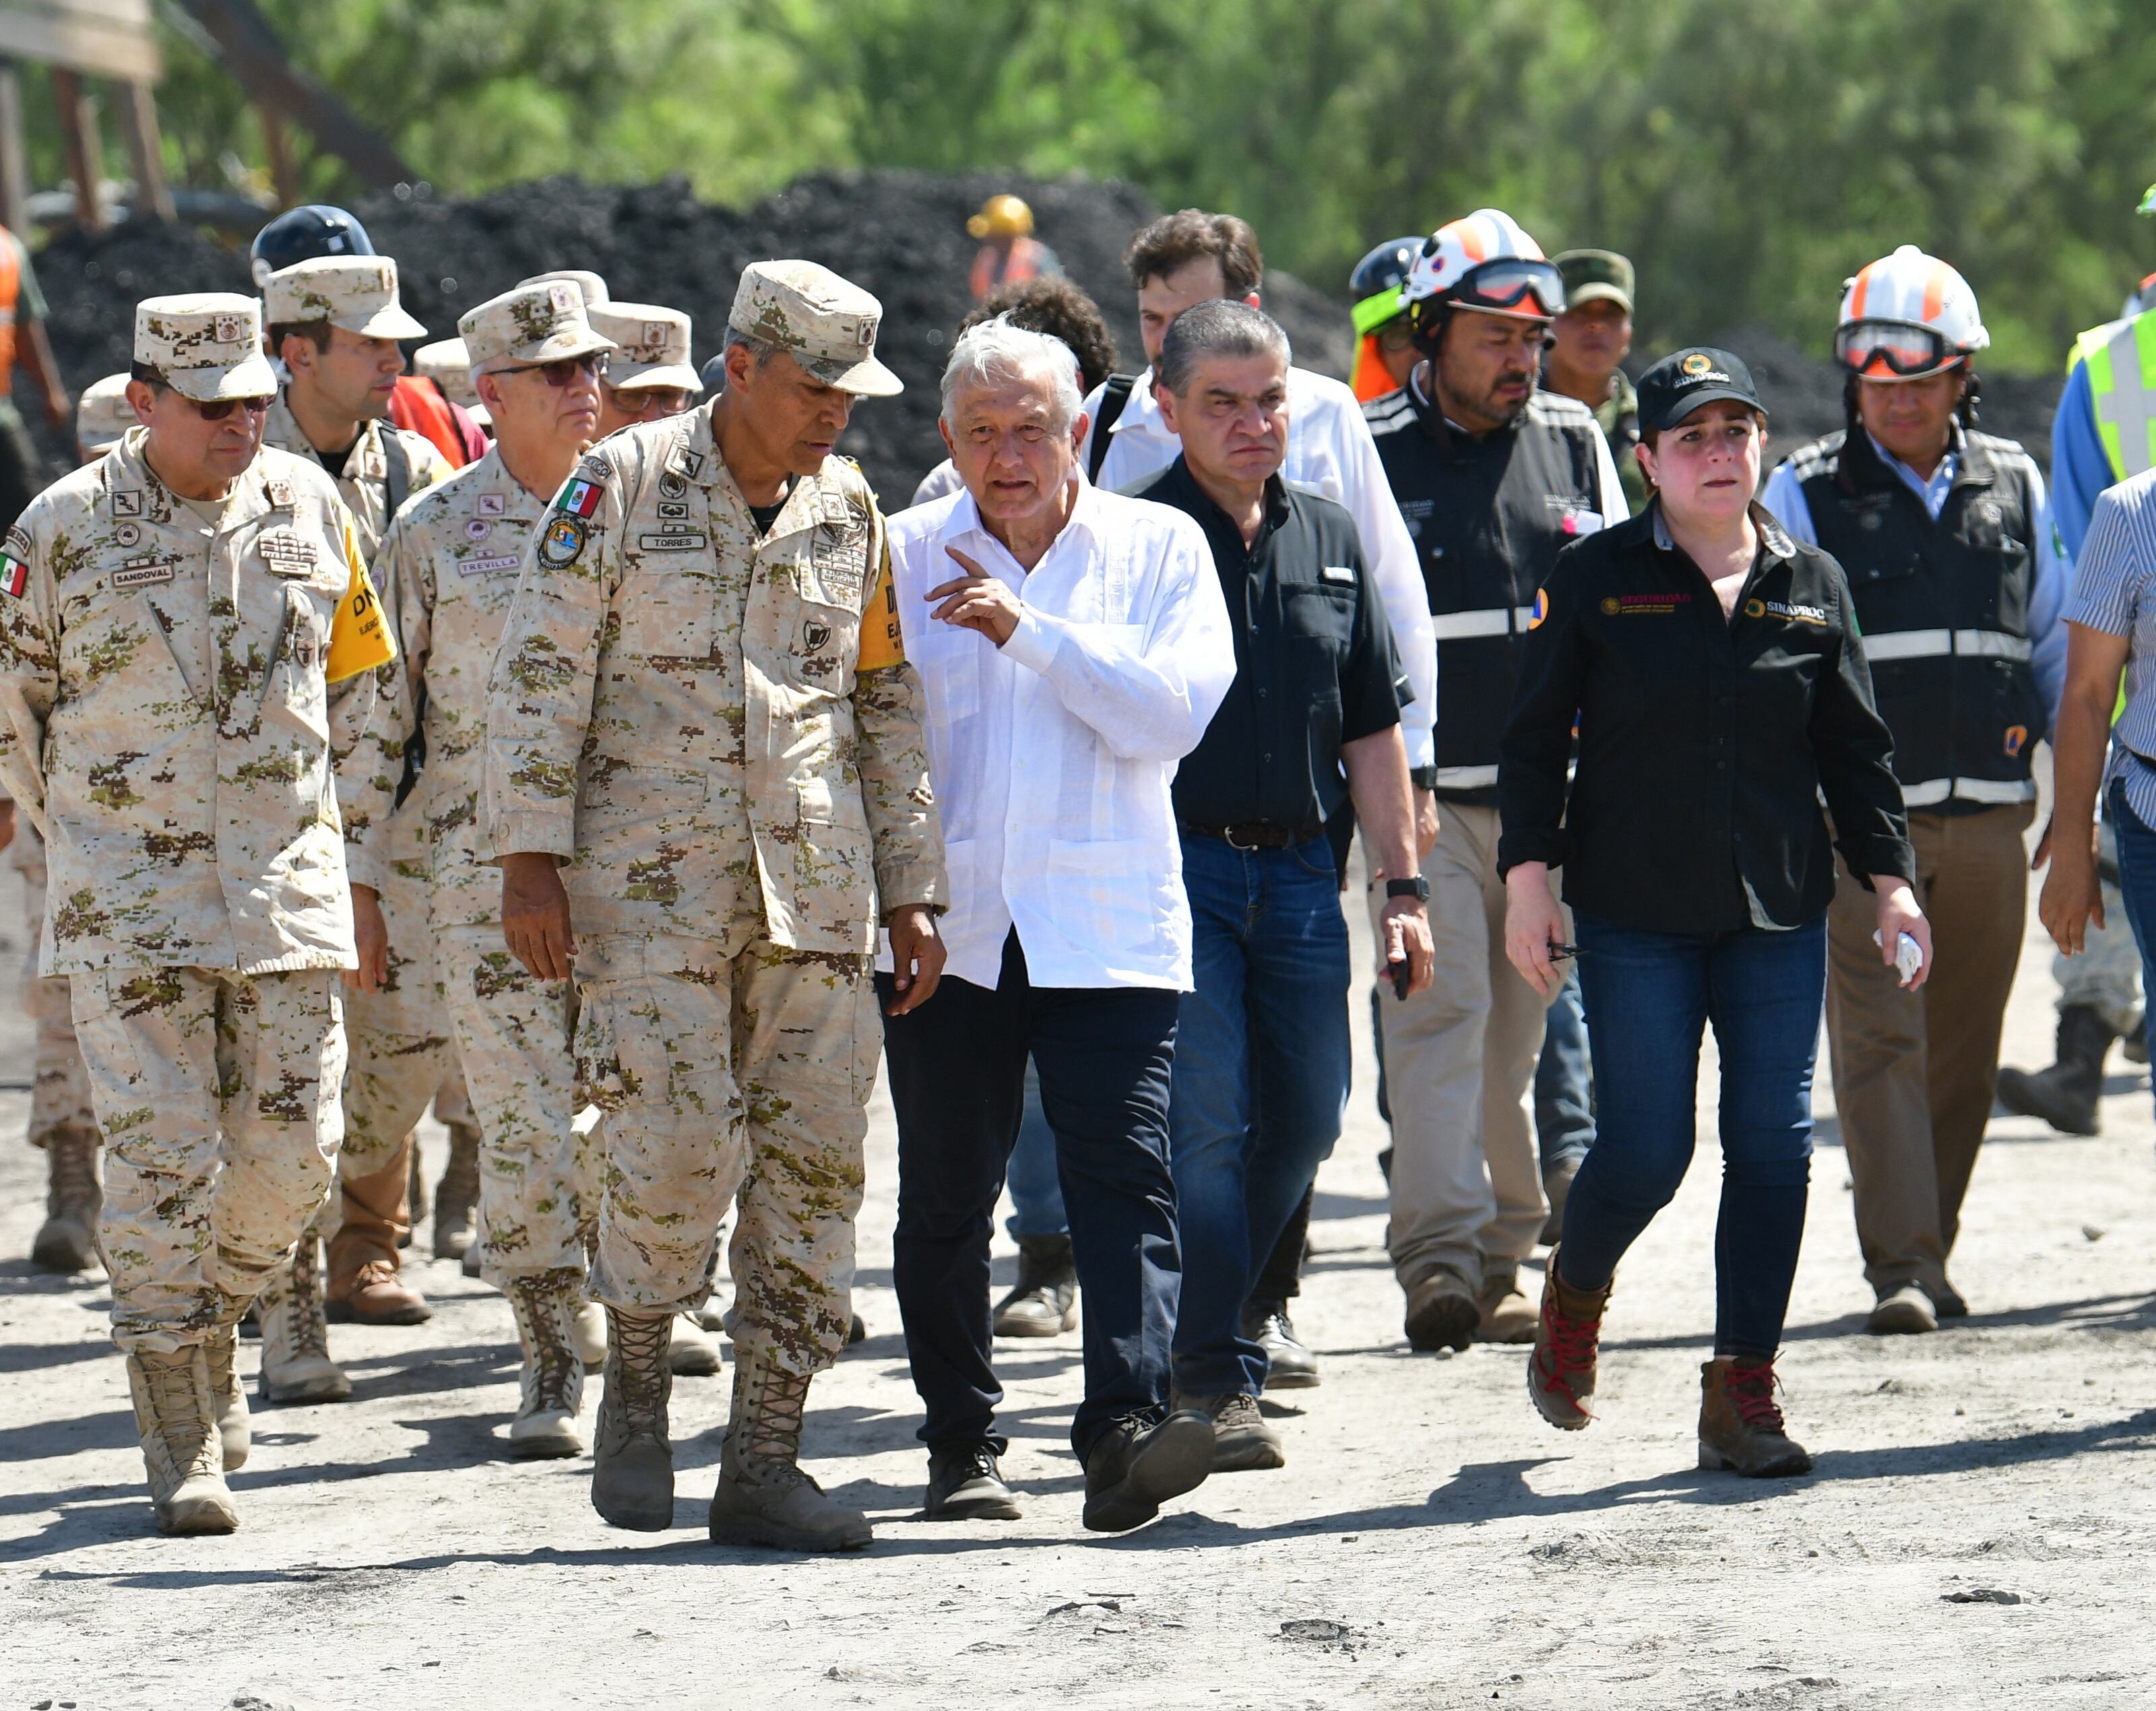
1975, 1534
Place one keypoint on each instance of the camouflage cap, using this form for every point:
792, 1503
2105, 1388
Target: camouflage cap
652, 345
530, 324
357, 293
826, 324
447, 363
1590, 274
207, 345
103, 415
590, 283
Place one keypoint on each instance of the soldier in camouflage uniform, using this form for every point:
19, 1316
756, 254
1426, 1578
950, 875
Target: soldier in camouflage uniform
700, 709
187, 670
451, 558
650, 374
334, 321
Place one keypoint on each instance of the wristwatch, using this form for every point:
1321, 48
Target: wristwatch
1423, 777
1417, 888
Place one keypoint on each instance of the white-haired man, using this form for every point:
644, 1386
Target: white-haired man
1073, 645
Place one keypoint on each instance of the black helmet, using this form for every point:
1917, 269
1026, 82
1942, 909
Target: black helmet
1374, 286
302, 234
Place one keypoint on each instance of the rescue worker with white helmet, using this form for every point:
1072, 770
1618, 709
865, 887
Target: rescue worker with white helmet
1946, 535
1494, 477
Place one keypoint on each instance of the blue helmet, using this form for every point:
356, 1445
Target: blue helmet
302, 234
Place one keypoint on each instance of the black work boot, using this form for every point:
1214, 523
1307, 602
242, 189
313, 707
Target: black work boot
966, 1483
1138, 1463
1046, 1298
2065, 1095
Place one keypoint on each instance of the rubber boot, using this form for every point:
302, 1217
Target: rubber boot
1740, 1428
763, 1497
1568, 1340
227, 1398
2067, 1095
552, 1378
67, 1240
456, 1195
632, 1461
1045, 1300
295, 1337
364, 1284
176, 1421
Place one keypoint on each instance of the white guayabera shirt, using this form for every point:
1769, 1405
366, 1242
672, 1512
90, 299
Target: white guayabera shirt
1052, 757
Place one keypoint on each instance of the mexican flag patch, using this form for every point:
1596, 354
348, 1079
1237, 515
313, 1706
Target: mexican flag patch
583, 498
14, 574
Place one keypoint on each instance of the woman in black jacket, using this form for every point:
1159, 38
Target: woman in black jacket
1710, 667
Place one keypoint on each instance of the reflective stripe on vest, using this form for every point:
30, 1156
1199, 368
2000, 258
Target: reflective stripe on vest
2122, 371
1492, 620
1466, 777
1998, 792
1937, 644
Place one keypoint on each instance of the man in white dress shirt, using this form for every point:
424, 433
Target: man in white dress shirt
1073, 645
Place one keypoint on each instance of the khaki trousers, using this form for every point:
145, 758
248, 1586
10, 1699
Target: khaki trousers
1460, 1071
1914, 1072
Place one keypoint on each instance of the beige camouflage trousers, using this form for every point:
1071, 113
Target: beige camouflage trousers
536, 1200
217, 1092
401, 1043
731, 1079
60, 1100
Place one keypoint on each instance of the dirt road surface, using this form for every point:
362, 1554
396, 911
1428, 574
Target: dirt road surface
1978, 1532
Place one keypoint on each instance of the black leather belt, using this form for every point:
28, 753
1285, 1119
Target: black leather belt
1256, 835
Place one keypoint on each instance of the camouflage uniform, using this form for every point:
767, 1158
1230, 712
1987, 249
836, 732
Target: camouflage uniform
453, 558
682, 711
399, 1038
60, 1100
170, 728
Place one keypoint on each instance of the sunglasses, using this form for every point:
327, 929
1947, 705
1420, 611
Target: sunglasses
219, 408
658, 401
1505, 285
1902, 350
563, 369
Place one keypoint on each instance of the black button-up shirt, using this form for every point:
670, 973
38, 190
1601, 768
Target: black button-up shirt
1705, 744
1315, 664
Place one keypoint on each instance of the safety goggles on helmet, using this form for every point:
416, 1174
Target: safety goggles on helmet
1894, 349
1511, 285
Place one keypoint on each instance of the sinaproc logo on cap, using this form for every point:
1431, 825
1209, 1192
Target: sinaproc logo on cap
1696, 366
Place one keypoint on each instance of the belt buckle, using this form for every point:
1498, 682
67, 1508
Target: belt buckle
1227, 833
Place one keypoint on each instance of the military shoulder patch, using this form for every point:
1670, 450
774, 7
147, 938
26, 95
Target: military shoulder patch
14, 574
581, 497
18, 542
563, 542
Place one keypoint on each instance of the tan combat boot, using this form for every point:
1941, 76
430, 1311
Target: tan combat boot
632, 1463
553, 1377
67, 1240
1561, 1369
227, 1399
1740, 1428
1506, 1317
763, 1497
295, 1336
175, 1420
456, 1195
694, 1352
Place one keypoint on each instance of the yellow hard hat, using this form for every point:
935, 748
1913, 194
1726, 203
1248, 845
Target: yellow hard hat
1001, 217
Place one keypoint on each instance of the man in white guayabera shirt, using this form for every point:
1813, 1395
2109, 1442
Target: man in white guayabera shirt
1073, 645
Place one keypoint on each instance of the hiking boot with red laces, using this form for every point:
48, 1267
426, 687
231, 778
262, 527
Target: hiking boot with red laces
1561, 1369
1740, 1428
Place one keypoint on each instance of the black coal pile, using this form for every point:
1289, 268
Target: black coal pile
900, 234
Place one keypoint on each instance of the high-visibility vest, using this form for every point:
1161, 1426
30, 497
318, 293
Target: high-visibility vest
990, 270
11, 287
2121, 356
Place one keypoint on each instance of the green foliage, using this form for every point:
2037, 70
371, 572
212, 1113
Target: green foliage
1747, 156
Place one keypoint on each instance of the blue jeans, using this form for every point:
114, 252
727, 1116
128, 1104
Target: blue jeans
1564, 1082
1649, 996
1261, 1071
2137, 874
1036, 1191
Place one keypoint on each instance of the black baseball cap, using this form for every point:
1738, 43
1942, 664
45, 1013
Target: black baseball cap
1684, 380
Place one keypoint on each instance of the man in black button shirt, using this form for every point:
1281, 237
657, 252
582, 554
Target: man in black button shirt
1312, 721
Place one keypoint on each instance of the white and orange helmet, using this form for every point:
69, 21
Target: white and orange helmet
1906, 316
1483, 262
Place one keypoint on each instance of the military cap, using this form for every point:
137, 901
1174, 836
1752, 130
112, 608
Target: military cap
1589, 275
207, 345
357, 293
103, 415
826, 324
590, 283
652, 345
530, 324
447, 363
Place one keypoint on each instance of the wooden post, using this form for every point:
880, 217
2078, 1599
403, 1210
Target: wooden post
14, 162
284, 176
139, 126
85, 154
